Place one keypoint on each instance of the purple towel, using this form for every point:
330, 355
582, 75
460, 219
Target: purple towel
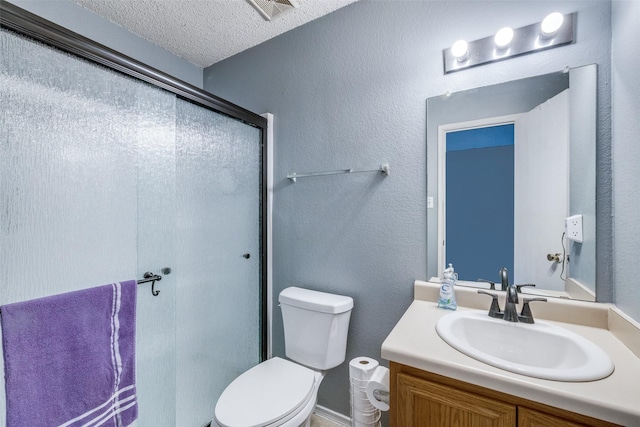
69, 359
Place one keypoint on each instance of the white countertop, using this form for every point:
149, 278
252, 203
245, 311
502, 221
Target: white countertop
415, 342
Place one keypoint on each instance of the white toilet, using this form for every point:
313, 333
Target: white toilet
279, 392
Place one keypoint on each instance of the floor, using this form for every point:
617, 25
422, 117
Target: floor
318, 421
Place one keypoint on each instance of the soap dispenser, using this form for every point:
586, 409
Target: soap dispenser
447, 298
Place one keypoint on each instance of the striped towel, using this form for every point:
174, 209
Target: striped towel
70, 359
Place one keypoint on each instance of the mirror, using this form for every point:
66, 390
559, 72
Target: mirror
512, 162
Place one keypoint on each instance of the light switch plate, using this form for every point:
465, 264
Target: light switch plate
573, 227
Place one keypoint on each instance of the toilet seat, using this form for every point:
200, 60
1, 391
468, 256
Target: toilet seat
270, 392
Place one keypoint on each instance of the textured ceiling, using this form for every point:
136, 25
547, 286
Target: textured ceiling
204, 32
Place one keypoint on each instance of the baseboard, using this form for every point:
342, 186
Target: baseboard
331, 415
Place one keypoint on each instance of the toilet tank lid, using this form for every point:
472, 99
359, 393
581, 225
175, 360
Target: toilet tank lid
316, 301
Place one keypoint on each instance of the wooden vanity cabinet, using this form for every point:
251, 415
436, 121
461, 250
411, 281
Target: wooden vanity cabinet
424, 399
530, 418
426, 403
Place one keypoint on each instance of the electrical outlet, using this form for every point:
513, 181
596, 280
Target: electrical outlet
573, 228
429, 202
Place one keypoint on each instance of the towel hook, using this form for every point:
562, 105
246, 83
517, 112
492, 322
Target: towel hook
153, 289
149, 275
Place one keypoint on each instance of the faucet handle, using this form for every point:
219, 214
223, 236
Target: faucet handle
494, 310
492, 285
519, 287
525, 315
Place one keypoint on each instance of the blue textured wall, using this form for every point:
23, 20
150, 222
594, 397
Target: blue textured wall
349, 90
626, 155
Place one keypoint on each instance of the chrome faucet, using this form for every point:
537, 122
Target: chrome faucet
504, 278
510, 313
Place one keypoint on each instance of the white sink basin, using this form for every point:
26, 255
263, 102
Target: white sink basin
539, 350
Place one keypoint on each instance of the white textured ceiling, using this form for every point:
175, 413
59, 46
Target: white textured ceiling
204, 32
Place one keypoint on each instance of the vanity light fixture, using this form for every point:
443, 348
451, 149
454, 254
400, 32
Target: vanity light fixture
554, 31
460, 50
503, 37
551, 24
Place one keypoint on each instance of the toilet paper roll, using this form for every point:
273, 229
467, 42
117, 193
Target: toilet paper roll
361, 369
379, 380
363, 406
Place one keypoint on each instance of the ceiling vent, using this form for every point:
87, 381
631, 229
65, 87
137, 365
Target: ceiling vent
271, 9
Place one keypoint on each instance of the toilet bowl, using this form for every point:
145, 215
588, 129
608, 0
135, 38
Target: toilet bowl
277, 392
280, 392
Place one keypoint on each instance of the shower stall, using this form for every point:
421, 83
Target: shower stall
110, 169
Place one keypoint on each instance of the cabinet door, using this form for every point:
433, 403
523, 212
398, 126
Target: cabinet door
422, 403
530, 418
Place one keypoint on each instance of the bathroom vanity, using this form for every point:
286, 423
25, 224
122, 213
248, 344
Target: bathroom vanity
433, 384
423, 398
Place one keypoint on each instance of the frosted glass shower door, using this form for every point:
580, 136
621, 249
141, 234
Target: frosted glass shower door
87, 173
104, 177
218, 242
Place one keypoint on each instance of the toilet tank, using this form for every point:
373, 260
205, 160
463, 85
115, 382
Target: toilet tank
315, 327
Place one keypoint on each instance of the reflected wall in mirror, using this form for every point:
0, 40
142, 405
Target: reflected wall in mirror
514, 160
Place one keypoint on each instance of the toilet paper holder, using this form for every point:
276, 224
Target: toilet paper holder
381, 395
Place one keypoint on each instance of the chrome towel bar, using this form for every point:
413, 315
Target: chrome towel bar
383, 168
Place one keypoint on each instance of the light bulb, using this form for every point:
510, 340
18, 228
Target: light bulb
503, 37
460, 50
551, 24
